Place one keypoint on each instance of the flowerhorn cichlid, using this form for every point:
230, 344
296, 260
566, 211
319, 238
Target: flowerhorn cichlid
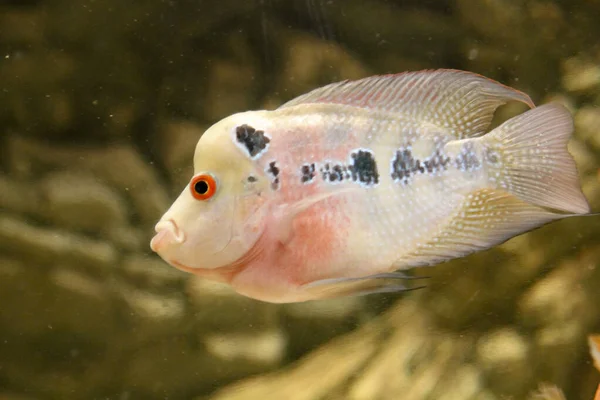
337, 191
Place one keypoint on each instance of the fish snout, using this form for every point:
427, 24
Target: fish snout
167, 235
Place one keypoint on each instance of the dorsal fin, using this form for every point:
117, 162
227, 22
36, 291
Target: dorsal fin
458, 101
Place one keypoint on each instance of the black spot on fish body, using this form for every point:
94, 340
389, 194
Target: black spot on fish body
404, 165
338, 170
335, 172
253, 140
419, 168
325, 171
274, 171
364, 167
436, 163
308, 173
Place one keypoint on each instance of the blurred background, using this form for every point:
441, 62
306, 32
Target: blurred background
101, 105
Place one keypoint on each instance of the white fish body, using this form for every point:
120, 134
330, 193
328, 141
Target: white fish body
383, 174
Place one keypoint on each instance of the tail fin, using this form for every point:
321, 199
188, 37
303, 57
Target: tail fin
528, 157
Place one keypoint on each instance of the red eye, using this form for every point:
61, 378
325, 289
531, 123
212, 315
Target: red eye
203, 187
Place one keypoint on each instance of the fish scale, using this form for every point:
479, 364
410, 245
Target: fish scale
418, 212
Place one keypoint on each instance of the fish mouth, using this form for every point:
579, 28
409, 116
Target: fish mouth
167, 235
172, 227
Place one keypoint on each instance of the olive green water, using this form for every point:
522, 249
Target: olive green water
101, 104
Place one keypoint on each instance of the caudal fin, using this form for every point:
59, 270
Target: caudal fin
528, 157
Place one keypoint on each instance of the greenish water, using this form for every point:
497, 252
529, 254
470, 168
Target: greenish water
101, 105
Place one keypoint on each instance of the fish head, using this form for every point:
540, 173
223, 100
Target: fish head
221, 213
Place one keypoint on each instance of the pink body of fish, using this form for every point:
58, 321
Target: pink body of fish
339, 190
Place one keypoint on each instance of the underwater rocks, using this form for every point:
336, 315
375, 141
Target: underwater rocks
580, 75
149, 272
504, 357
79, 202
49, 246
206, 297
18, 196
395, 356
312, 323
119, 166
561, 309
587, 120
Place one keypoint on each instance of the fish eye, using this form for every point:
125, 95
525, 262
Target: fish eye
203, 187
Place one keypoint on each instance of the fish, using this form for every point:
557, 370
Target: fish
594, 343
341, 190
